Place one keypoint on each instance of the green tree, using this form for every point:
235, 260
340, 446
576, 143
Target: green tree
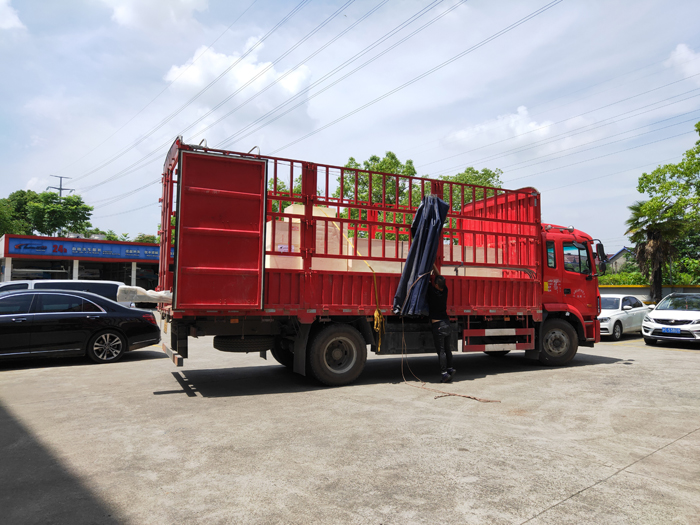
111, 236
653, 239
18, 201
7, 222
50, 213
142, 237
674, 189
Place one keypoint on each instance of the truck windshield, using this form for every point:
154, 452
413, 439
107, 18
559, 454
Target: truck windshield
610, 303
681, 302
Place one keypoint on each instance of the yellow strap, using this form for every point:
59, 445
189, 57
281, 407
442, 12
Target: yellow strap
378, 317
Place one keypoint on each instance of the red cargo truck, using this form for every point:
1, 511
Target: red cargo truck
294, 257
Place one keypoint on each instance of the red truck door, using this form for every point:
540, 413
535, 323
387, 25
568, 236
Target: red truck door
580, 290
220, 232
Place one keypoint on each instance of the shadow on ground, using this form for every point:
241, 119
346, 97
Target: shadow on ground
26, 363
36, 488
262, 380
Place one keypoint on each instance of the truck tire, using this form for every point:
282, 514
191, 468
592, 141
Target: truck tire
559, 342
337, 355
282, 352
251, 343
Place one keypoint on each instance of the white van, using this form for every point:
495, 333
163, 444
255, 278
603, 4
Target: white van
106, 289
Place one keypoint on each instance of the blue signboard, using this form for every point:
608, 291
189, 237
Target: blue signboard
78, 249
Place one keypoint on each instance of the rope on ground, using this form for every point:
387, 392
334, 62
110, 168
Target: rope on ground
422, 383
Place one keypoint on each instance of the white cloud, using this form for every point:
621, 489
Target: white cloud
144, 14
193, 76
8, 16
685, 60
502, 127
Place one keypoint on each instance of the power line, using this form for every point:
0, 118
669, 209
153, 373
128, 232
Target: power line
270, 66
611, 174
408, 21
572, 133
571, 118
291, 70
237, 136
200, 92
127, 211
602, 156
530, 107
425, 74
599, 146
164, 89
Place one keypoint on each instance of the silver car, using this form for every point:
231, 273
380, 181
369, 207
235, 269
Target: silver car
621, 314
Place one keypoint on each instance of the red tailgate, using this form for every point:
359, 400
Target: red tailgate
221, 226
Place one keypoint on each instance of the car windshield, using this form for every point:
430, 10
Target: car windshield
610, 303
680, 302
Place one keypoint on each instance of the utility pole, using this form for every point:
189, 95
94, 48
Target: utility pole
60, 187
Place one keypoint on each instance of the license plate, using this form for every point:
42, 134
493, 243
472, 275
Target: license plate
666, 330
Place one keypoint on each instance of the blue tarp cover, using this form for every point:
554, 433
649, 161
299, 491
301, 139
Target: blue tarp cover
426, 232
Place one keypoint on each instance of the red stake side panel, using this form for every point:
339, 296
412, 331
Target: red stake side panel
348, 293
290, 237
220, 232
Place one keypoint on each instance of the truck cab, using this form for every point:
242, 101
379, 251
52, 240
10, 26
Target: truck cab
569, 280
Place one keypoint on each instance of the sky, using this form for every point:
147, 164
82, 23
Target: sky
576, 100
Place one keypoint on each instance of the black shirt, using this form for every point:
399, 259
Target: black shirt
437, 302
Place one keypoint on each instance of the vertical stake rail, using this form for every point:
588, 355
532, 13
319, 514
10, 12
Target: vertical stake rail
307, 230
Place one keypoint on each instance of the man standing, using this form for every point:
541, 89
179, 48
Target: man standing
440, 323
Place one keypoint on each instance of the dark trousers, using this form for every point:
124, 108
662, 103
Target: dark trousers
442, 336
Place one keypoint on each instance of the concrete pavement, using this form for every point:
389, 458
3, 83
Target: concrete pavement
612, 438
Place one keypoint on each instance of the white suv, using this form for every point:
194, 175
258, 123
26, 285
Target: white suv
106, 289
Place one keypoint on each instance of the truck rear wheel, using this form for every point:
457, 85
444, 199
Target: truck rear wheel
559, 343
337, 355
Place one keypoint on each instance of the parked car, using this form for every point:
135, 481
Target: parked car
55, 323
106, 289
675, 318
621, 314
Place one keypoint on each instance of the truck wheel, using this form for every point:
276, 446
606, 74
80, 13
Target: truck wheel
559, 343
283, 353
617, 332
497, 353
337, 355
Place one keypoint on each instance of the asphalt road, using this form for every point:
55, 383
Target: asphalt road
612, 438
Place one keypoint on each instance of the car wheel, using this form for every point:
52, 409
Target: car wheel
650, 342
559, 342
337, 355
497, 353
106, 347
617, 332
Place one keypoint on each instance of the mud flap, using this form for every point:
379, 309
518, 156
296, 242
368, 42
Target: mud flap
300, 342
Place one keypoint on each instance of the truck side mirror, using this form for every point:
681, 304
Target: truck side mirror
602, 258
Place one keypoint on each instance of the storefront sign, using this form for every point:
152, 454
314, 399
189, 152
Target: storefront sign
78, 249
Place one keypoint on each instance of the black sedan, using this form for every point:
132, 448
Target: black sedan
56, 323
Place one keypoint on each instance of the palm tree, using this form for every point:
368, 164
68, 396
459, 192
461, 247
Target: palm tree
653, 238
